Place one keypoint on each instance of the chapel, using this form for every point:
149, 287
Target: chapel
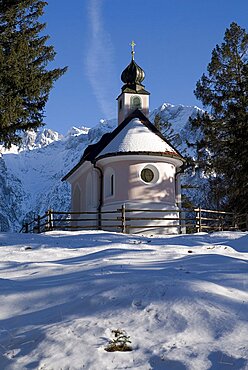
134, 165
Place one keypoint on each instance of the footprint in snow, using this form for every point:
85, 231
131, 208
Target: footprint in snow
12, 353
137, 303
26, 248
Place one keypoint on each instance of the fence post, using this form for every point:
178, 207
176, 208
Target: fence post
38, 224
50, 219
221, 223
26, 227
182, 222
234, 221
198, 219
123, 218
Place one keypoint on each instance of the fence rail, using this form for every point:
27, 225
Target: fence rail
125, 220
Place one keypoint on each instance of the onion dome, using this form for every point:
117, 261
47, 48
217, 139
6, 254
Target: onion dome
133, 74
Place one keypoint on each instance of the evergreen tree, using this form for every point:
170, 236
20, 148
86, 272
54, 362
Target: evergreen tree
25, 81
223, 148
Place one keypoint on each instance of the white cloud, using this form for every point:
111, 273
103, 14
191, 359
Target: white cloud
99, 63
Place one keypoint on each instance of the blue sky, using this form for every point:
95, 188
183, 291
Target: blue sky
174, 40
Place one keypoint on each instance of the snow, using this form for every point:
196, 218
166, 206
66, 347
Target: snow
76, 131
176, 114
136, 137
181, 299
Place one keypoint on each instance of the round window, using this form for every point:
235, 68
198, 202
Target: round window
147, 175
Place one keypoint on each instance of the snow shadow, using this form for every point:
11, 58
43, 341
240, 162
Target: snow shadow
101, 255
19, 345
240, 243
91, 238
68, 240
158, 363
221, 361
94, 290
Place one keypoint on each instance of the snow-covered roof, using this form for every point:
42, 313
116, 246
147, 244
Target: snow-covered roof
137, 137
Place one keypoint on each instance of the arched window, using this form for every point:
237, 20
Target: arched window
112, 185
136, 102
89, 191
76, 199
109, 183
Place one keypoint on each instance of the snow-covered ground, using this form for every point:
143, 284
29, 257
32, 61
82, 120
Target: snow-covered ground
181, 299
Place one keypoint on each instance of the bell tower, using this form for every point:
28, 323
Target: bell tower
133, 95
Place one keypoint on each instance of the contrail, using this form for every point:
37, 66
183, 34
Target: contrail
99, 63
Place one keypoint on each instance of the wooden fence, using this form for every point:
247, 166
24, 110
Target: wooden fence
127, 220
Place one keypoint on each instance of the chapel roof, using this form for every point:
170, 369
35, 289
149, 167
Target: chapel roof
136, 135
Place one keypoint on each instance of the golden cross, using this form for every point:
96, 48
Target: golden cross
133, 45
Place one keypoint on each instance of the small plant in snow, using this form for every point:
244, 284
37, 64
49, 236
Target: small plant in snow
120, 342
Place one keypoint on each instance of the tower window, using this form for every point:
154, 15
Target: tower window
120, 104
135, 102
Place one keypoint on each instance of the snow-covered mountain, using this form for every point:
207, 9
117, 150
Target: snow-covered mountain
30, 175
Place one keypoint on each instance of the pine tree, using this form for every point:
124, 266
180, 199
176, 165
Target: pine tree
25, 81
223, 148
